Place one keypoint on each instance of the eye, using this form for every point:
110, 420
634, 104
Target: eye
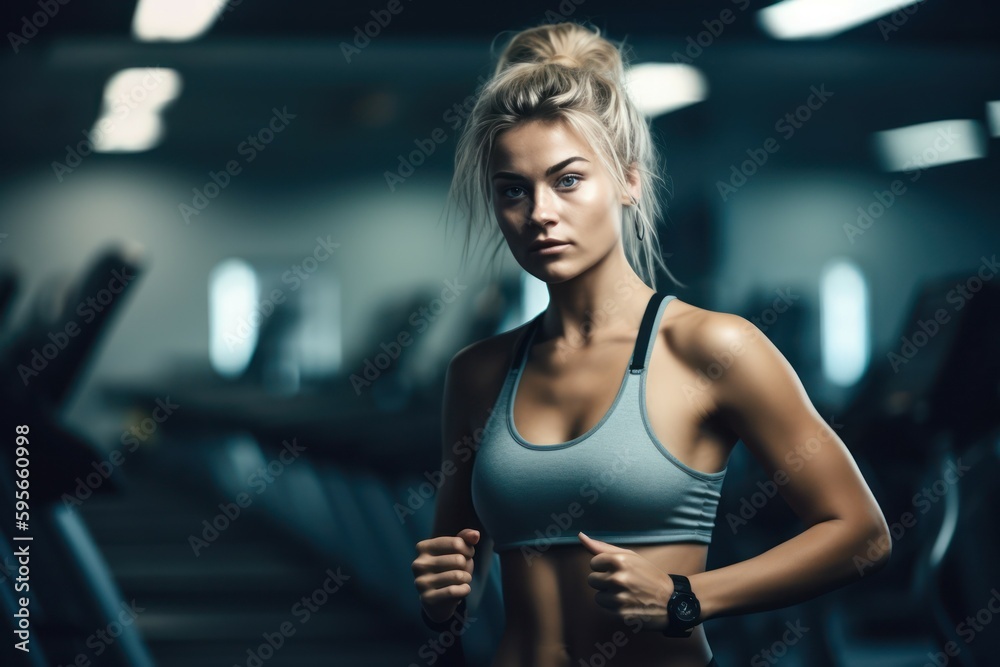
506, 190
573, 176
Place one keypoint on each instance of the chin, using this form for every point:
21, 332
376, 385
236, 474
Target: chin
552, 273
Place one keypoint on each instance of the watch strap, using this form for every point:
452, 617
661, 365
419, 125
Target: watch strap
675, 627
681, 583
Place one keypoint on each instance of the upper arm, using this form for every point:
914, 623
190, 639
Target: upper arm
460, 412
761, 398
454, 510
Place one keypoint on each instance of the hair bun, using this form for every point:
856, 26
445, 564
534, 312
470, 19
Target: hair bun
567, 44
562, 59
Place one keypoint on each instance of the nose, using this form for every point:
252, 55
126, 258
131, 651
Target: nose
543, 207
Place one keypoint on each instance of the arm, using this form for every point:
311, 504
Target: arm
454, 510
761, 399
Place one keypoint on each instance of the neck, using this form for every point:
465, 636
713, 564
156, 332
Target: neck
608, 298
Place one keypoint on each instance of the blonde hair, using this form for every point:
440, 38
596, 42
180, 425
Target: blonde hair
567, 72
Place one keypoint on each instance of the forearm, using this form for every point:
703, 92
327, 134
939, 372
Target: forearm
825, 556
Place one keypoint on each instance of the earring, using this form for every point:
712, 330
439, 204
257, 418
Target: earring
638, 222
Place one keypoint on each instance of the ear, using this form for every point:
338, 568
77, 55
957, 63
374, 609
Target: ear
634, 188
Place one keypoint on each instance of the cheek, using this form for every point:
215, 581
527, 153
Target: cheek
598, 217
508, 229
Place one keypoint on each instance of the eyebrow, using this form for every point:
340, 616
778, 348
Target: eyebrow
548, 172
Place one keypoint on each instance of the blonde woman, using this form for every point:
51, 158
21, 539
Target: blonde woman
588, 447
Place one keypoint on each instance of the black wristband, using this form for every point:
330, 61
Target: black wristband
681, 622
446, 624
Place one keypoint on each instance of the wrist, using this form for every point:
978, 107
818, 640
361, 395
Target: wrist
704, 595
446, 624
683, 609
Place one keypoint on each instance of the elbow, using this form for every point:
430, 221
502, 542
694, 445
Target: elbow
873, 551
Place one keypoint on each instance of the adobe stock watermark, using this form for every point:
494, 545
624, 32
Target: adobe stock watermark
780, 647
898, 19
31, 25
453, 116
130, 440
249, 148
432, 649
101, 639
302, 611
407, 164
229, 512
968, 629
563, 521
463, 449
121, 108
923, 500
714, 28
884, 199
421, 320
927, 329
786, 126
564, 10
606, 650
87, 310
295, 277
416, 497
795, 460
363, 35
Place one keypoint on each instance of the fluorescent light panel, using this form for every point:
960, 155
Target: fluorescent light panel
844, 326
930, 144
659, 88
130, 114
174, 20
817, 19
233, 292
993, 117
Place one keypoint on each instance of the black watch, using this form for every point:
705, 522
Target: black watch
683, 609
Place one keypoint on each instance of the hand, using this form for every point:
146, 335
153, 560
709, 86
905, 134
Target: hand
628, 584
442, 572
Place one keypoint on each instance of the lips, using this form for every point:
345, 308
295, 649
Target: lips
547, 243
548, 248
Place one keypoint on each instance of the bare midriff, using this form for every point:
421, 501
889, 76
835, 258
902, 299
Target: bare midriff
553, 619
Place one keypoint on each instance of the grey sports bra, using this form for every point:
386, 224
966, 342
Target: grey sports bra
616, 482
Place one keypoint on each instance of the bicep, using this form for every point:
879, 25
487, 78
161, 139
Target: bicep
460, 417
764, 402
454, 509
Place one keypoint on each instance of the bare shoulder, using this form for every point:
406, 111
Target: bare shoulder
741, 362
479, 369
699, 336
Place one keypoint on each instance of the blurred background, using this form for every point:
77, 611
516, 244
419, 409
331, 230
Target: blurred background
228, 302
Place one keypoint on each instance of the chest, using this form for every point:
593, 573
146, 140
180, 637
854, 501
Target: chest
563, 394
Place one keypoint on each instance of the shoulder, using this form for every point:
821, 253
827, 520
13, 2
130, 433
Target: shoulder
699, 334
728, 349
477, 371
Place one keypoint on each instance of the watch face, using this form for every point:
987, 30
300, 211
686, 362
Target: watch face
686, 607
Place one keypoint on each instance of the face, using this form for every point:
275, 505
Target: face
549, 185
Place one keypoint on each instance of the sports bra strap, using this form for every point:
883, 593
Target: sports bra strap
642, 341
645, 333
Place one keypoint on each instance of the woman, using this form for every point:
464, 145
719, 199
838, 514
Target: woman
601, 429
